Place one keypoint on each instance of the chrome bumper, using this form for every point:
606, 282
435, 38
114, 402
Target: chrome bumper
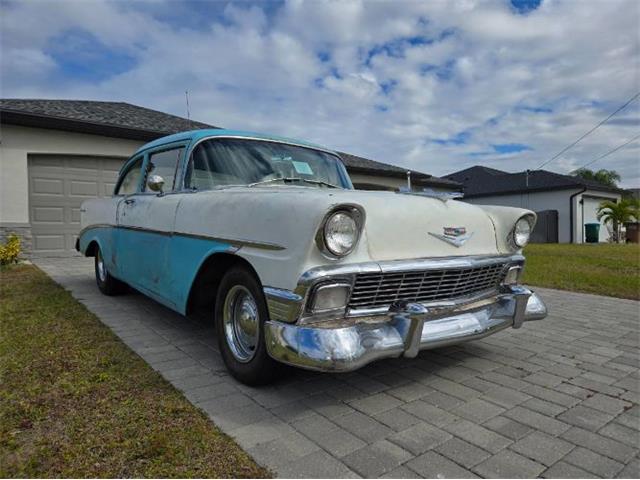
407, 329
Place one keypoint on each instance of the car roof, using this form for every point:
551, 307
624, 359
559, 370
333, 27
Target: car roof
195, 135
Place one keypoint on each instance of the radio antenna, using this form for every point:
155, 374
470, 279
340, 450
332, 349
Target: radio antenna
186, 96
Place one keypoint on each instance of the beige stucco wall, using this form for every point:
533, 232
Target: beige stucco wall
17, 142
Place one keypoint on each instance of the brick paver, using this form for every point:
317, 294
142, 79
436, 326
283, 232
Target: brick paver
557, 398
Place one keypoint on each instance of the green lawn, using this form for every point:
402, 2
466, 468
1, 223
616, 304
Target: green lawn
603, 269
76, 402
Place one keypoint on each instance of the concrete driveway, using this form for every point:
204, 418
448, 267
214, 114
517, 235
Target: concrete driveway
557, 398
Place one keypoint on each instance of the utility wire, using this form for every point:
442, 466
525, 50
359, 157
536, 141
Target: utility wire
589, 132
608, 153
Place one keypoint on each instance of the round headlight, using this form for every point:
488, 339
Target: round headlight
340, 233
522, 232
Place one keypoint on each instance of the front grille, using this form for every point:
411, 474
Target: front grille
375, 290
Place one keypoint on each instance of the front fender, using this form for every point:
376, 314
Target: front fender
504, 219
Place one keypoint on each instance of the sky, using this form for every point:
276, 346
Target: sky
435, 86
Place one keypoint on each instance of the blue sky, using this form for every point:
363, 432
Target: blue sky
434, 86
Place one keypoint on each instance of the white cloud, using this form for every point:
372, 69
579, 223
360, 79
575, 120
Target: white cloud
319, 71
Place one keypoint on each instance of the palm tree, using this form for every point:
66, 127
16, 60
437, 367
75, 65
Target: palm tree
617, 214
604, 176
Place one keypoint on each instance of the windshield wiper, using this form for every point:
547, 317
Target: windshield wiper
294, 179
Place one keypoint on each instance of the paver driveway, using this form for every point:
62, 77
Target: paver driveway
557, 398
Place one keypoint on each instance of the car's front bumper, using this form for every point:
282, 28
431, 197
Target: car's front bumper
407, 329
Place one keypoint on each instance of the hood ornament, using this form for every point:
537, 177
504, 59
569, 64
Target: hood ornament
456, 236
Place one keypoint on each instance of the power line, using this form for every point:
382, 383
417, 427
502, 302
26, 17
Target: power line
589, 132
608, 153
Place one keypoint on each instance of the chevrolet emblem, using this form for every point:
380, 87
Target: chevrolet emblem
456, 236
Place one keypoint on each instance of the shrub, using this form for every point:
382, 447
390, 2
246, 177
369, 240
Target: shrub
10, 250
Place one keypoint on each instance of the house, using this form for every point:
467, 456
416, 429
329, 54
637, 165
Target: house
56, 153
371, 175
632, 193
563, 203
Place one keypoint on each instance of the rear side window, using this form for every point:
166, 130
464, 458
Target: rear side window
131, 179
165, 164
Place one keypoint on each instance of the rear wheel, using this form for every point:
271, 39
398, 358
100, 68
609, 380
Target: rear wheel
106, 283
240, 314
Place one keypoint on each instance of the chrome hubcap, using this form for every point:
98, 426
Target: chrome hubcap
102, 270
241, 323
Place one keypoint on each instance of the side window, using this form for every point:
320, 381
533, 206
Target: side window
165, 164
131, 179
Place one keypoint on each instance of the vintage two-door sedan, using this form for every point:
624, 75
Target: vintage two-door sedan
294, 265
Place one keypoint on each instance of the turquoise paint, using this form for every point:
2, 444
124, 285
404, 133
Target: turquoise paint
104, 237
187, 255
195, 135
161, 265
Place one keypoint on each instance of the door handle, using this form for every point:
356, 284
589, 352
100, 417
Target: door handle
130, 201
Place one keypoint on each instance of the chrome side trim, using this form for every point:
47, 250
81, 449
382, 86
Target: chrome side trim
236, 242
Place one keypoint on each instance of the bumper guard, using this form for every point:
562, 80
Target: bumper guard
408, 328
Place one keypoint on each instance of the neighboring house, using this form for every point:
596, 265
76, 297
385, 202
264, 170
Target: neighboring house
56, 153
632, 193
371, 175
573, 201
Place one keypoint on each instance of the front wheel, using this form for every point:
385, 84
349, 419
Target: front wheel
106, 283
240, 314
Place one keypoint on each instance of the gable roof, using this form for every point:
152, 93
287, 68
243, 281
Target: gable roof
124, 120
480, 181
117, 119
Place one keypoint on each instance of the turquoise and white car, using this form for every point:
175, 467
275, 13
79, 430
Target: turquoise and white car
294, 265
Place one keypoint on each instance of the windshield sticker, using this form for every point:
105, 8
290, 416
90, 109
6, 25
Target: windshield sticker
302, 167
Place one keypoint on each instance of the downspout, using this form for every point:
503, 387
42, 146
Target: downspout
584, 189
582, 228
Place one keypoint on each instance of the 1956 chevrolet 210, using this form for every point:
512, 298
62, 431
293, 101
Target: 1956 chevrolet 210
295, 266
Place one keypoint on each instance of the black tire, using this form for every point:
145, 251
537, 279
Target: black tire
106, 283
259, 368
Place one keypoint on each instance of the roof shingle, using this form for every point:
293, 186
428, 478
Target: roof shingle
482, 181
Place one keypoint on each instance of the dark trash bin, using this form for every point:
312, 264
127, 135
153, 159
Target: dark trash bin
633, 232
592, 232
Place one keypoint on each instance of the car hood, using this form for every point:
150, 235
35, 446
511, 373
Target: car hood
397, 226
401, 226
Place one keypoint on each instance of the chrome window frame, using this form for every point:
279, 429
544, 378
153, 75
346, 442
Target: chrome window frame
126, 168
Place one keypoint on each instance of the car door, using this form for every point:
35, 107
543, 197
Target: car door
145, 223
128, 184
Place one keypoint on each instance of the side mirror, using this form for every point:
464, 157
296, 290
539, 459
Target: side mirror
155, 183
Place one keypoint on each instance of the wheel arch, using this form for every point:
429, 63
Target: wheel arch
204, 288
92, 248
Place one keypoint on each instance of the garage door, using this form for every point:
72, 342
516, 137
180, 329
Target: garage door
57, 187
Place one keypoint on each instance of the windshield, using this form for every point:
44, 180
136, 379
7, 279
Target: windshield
233, 161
